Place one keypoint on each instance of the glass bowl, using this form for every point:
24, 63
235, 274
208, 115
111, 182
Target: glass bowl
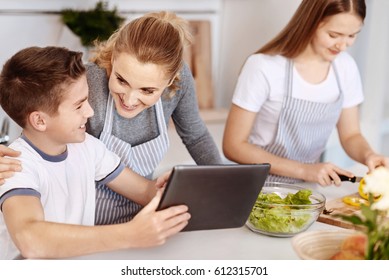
284, 220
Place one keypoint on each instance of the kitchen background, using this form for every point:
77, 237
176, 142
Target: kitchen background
237, 28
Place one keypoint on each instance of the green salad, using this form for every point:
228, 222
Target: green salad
285, 218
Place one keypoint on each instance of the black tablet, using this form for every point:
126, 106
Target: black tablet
218, 196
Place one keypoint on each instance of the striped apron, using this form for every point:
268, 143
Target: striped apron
304, 127
112, 208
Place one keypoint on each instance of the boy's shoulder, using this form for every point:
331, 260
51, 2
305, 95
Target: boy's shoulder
92, 148
91, 145
88, 155
27, 151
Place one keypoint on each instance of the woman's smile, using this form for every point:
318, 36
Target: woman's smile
126, 107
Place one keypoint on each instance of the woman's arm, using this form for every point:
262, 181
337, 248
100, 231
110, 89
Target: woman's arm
237, 148
353, 142
189, 125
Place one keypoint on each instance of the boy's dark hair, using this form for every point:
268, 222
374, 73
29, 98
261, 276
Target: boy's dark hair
36, 78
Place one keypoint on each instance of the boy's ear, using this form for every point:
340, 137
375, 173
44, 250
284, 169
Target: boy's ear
38, 120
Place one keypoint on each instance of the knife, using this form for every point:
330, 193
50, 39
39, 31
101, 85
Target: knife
354, 179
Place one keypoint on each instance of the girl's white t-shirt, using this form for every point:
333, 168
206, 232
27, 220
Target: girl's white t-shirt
261, 88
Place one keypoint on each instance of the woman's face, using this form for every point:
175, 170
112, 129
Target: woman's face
335, 35
135, 86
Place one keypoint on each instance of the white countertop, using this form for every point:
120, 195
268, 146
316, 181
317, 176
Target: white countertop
229, 244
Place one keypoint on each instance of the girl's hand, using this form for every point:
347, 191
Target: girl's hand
375, 160
8, 165
324, 173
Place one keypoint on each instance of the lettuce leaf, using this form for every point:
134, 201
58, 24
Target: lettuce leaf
285, 218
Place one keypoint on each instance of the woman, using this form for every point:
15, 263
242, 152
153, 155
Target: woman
137, 82
293, 91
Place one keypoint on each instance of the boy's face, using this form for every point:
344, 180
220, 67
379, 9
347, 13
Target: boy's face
68, 125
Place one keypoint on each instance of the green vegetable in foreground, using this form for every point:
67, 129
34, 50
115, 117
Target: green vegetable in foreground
283, 218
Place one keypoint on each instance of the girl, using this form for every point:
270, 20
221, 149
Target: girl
293, 91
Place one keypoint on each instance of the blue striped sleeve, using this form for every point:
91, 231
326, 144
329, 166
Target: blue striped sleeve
112, 175
18, 192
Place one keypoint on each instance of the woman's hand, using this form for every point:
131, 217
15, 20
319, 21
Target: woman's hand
151, 227
324, 173
8, 166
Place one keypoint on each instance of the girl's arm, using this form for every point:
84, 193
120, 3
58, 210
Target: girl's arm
354, 143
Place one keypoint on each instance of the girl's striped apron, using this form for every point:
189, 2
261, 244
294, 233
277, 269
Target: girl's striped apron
112, 208
304, 127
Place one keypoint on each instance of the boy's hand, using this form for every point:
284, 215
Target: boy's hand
162, 180
151, 227
8, 166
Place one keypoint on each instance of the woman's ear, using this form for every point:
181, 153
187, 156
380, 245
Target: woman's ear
38, 120
171, 81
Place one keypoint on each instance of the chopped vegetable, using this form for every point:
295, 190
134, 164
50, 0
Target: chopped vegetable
363, 194
354, 200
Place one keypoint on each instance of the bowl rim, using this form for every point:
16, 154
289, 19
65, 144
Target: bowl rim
303, 240
321, 199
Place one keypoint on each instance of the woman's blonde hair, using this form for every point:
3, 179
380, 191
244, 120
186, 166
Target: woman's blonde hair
157, 38
298, 33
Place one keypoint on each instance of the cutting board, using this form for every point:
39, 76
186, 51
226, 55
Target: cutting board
339, 207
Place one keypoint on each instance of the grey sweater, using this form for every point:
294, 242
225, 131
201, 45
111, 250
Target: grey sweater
182, 108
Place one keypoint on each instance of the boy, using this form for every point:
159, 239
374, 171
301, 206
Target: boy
48, 208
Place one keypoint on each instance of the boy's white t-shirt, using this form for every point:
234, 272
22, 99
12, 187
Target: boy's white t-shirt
65, 183
261, 88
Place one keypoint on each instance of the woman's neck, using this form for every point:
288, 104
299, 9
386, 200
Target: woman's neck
311, 67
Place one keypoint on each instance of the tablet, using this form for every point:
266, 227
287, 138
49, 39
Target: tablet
218, 196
